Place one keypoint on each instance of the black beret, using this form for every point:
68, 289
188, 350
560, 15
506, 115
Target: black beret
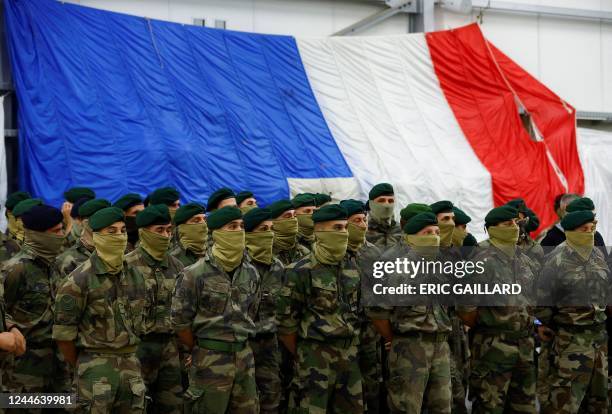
419, 222
580, 204
75, 193
105, 217
153, 214
329, 212
519, 204
164, 195
460, 216
42, 218
321, 198
534, 221
218, 196
499, 214
91, 206
470, 241
187, 211
353, 207
74, 211
222, 216
127, 201
443, 206
380, 190
413, 209
576, 219
14, 198
26, 205
255, 217
279, 207
243, 195
304, 200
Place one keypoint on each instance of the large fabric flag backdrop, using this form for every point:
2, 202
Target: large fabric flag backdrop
124, 103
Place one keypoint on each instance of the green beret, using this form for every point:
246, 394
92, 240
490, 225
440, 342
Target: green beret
380, 189
304, 200
14, 198
127, 201
580, 204
499, 214
534, 221
279, 207
576, 219
26, 205
519, 204
105, 217
91, 206
222, 216
187, 211
470, 241
353, 207
243, 195
460, 216
153, 214
75, 193
218, 196
321, 198
255, 217
418, 222
329, 212
443, 206
164, 195
413, 209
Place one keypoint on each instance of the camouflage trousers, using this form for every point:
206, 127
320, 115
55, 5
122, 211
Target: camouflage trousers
327, 378
109, 383
419, 374
371, 369
459, 365
221, 382
579, 373
503, 375
543, 382
161, 372
267, 372
287, 368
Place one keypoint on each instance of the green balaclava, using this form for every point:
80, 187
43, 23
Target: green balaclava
45, 245
228, 248
504, 238
194, 237
581, 241
459, 234
111, 250
86, 235
427, 245
153, 243
330, 246
381, 211
37, 220
356, 236
447, 229
285, 232
259, 245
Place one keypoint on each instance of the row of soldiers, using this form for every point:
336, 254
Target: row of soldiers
152, 305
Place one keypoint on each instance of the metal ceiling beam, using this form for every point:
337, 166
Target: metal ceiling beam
407, 6
553, 11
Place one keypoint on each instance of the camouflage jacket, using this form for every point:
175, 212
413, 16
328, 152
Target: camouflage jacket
305, 241
29, 292
271, 279
319, 301
71, 259
9, 248
579, 289
160, 279
98, 309
214, 304
292, 255
363, 259
533, 250
185, 256
383, 235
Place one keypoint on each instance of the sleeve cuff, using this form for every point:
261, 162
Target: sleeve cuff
64, 332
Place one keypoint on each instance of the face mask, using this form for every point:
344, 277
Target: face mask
154, 244
172, 212
305, 226
228, 248
504, 238
12, 224
193, 237
459, 234
330, 246
381, 211
259, 246
427, 245
356, 236
19, 230
446, 233
582, 242
43, 244
111, 248
131, 229
247, 208
285, 231
87, 235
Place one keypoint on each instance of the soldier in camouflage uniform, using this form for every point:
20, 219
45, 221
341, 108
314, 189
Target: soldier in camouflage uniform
259, 239
417, 335
212, 311
383, 231
12, 342
503, 375
10, 246
305, 205
285, 227
575, 284
319, 322
158, 350
13, 245
98, 320
528, 222
131, 204
190, 223
75, 195
246, 201
29, 293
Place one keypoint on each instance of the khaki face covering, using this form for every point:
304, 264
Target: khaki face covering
44, 245
285, 231
228, 248
330, 246
356, 236
154, 244
504, 238
446, 233
12, 224
381, 211
19, 230
172, 212
259, 245
87, 235
459, 234
582, 242
193, 237
247, 208
305, 226
110, 249
427, 245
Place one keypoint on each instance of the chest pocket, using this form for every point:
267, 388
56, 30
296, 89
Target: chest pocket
323, 293
102, 317
36, 300
214, 297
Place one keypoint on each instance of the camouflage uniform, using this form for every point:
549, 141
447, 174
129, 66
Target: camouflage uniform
320, 303
305, 241
503, 375
383, 235
219, 310
71, 259
292, 255
103, 313
185, 256
158, 350
533, 250
579, 372
9, 248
